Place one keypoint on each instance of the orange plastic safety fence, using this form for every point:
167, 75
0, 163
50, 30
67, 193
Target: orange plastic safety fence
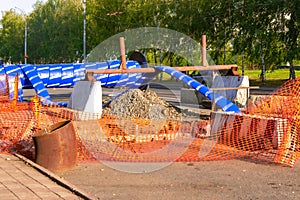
284, 105
268, 131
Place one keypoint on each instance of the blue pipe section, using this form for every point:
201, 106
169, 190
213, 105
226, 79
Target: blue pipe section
36, 81
45, 76
12, 72
224, 104
11, 86
66, 75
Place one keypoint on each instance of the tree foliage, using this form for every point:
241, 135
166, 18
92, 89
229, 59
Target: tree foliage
265, 33
12, 37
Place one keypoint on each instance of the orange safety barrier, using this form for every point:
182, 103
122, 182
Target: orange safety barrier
267, 131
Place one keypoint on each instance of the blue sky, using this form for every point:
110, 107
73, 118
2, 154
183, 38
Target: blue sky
25, 5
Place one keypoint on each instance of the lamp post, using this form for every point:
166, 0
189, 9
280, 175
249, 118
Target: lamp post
25, 43
25, 35
84, 30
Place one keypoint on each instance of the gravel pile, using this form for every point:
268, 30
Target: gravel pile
142, 104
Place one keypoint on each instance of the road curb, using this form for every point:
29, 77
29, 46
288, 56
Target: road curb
56, 178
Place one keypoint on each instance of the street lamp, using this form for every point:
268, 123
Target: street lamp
84, 30
25, 35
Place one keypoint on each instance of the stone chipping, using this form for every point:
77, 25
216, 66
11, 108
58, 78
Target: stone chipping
142, 104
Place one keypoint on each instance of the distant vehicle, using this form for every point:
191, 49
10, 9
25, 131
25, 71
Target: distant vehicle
287, 67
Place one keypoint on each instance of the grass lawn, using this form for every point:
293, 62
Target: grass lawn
274, 78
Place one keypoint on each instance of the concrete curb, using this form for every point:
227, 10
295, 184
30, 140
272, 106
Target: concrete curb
56, 178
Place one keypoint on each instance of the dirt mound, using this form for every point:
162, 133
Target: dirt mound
142, 104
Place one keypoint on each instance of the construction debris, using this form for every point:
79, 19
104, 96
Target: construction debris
142, 104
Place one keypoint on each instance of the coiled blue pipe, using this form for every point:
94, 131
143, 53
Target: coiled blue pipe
66, 75
45, 76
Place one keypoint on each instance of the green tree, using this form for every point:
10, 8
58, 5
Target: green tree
12, 37
266, 33
55, 31
265, 29
289, 12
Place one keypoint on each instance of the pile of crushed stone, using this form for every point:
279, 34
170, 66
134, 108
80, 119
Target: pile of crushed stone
142, 104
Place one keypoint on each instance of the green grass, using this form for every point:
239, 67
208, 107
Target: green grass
273, 78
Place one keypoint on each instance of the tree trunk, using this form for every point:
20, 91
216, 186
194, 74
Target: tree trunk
292, 71
263, 69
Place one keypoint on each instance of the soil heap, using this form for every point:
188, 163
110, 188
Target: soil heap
142, 104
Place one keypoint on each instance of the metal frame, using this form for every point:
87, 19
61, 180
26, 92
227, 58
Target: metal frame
123, 69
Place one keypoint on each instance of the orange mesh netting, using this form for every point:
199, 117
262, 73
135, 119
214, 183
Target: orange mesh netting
267, 131
284, 107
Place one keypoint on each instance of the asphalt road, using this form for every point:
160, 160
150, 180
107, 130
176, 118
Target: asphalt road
231, 179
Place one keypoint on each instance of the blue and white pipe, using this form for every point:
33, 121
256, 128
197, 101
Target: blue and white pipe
66, 75
222, 102
45, 76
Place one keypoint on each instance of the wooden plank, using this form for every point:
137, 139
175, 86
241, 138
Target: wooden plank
152, 70
234, 88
